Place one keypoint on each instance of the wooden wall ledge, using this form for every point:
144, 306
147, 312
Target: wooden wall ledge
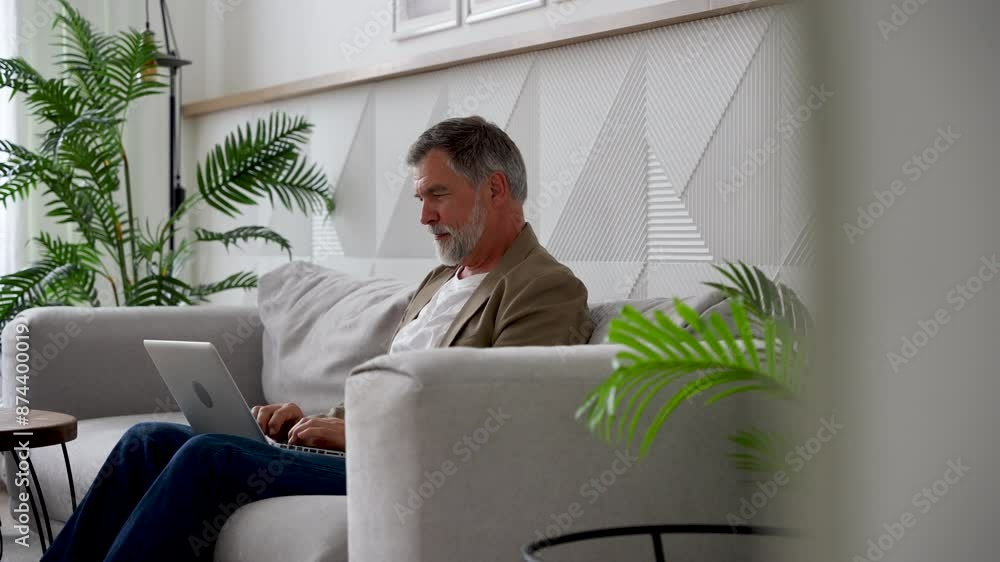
640, 19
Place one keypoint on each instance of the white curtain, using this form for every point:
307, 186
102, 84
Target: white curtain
8, 215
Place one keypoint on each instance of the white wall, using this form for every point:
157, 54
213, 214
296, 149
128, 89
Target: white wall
650, 156
257, 43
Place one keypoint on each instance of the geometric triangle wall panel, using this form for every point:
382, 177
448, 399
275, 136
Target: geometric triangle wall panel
664, 279
607, 281
523, 128
404, 108
650, 156
694, 71
672, 236
488, 88
605, 216
734, 195
802, 251
795, 131
402, 236
354, 217
578, 84
325, 241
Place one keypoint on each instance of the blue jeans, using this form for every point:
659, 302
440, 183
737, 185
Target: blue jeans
165, 492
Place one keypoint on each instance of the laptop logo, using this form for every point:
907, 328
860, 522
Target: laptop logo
203, 394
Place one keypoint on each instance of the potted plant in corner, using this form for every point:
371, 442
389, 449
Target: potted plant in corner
83, 169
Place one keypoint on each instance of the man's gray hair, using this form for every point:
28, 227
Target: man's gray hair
476, 148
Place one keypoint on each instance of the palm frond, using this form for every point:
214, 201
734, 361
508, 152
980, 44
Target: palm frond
97, 216
27, 288
154, 253
84, 53
760, 451
18, 75
243, 234
266, 161
245, 280
55, 101
705, 359
77, 284
176, 260
91, 126
91, 148
62, 252
131, 54
764, 297
21, 171
158, 290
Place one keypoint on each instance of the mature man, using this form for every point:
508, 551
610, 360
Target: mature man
166, 486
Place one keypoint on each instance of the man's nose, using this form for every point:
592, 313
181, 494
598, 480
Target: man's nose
427, 214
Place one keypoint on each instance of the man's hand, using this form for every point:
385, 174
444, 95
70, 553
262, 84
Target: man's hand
275, 420
322, 433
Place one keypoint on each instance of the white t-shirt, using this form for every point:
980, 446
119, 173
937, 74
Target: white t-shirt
434, 319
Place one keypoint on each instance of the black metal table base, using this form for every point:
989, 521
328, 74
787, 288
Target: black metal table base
36, 485
655, 532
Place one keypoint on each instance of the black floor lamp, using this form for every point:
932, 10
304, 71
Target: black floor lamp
172, 60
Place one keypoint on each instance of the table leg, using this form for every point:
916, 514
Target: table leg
41, 499
38, 519
69, 475
1, 518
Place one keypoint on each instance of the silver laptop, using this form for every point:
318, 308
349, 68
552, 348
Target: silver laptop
204, 389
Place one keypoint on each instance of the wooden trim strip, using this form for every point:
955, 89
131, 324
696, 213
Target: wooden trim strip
632, 21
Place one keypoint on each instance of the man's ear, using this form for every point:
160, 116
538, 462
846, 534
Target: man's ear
499, 187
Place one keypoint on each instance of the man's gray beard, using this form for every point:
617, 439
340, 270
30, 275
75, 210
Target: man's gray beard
456, 247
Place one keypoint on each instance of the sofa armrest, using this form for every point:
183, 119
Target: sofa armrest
469, 454
90, 362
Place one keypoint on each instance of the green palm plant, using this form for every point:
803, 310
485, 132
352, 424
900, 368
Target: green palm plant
83, 168
764, 349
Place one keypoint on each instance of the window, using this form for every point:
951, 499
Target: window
8, 48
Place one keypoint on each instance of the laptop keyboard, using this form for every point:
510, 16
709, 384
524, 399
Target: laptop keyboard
309, 449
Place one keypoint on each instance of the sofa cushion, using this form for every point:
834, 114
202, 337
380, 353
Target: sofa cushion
301, 528
87, 453
318, 325
603, 313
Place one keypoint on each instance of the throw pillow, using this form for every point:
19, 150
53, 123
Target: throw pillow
318, 325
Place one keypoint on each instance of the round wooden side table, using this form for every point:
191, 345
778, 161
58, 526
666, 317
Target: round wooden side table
40, 428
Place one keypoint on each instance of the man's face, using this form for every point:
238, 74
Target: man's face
451, 207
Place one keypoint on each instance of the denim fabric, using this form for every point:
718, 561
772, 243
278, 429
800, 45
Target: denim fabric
164, 493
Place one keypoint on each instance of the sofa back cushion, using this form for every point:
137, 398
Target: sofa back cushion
318, 325
603, 313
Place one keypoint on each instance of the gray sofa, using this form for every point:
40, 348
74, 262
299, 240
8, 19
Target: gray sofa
454, 454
